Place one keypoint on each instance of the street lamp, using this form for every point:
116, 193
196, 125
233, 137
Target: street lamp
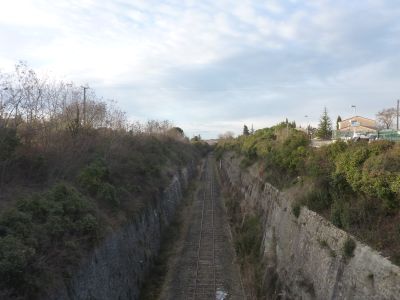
355, 109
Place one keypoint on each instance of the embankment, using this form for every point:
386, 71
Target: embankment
311, 258
118, 267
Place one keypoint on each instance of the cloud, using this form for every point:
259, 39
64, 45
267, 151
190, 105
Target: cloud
213, 65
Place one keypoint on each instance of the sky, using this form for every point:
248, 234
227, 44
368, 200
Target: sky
211, 66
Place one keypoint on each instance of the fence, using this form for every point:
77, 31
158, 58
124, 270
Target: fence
387, 134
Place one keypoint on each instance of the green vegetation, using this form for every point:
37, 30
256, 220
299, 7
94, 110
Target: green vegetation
58, 219
296, 209
349, 247
325, 126
356, 184
246, 130
338, 120
248, 241
247, 236
43, 230
70, 172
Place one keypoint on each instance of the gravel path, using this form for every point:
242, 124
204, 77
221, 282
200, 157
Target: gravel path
204, 266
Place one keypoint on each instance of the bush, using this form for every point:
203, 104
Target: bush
39, 223
249, 238
108, 194
15, 257
8, 143
296, 209
318, 200
340, 214
92, 177
348, 247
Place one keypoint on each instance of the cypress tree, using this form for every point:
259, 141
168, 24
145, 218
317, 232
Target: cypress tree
325, 126
339, 119
245, 130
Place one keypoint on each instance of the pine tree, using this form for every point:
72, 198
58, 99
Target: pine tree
339, 119
325, 126
245, 130
252, 129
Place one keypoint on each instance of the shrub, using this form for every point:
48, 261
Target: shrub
15, 257
340, 214
318, 200
348, 247
92, 177
296, 208
249, 239
8, 142
108, 194
39, 223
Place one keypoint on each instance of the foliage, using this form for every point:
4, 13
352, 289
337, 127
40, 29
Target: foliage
354, 184
338, 120
246, 130
296, 209
349, 247
8, 142
36, 225
249, 238
325, 126
64, 163
93, 176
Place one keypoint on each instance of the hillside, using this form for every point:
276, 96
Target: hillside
71, 173
355, 185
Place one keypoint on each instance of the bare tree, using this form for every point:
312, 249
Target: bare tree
386, 116
227, 135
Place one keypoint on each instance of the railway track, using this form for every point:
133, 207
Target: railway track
205, 280
204, 268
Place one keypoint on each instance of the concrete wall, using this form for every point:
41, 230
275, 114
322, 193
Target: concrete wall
117, 268
306, 253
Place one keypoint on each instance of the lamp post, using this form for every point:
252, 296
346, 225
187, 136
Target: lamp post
354, 128
355, 109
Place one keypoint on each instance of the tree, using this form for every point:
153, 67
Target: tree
226, 136
252, 130
246, 130
325, 126
196, 138
338, 120
385, 117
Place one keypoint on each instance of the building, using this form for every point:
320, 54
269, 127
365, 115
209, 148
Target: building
356, 126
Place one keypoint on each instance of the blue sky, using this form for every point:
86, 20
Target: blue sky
211, 66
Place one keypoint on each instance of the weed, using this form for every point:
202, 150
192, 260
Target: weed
323, 243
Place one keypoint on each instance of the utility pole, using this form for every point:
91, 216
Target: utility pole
84, 104
1, 106
308, 126
398, 103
